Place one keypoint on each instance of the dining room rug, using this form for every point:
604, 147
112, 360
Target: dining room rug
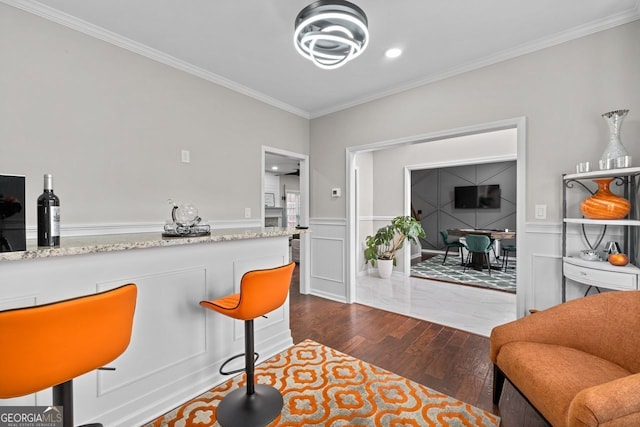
324, 387
453, 272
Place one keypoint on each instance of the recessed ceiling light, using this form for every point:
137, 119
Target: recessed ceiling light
274, 168
393, 52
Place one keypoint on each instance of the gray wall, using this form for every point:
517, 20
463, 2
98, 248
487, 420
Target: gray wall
110, 124
100, 117
561, 90
432, 192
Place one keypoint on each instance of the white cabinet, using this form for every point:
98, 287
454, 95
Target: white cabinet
600, 274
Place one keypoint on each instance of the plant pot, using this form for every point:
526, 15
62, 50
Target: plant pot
385, 268
604, 204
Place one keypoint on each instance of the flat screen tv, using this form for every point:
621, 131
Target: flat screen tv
477, 197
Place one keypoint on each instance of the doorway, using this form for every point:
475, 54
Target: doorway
285, 200
476, 154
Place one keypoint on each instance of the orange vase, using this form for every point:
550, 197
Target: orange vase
604, 204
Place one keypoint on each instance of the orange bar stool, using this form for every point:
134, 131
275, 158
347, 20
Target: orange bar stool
261, 291
87, 333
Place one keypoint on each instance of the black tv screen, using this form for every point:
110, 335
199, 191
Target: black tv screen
477, 197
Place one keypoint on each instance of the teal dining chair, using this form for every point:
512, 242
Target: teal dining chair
506, 250
477, 244
456, 244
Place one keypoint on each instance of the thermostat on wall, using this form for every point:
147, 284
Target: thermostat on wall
336, 192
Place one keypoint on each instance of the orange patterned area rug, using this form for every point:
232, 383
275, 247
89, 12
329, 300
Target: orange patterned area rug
323, 387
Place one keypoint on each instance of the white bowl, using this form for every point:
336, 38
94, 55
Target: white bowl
589, 255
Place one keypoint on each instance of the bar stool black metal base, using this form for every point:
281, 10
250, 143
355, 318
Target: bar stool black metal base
239, 409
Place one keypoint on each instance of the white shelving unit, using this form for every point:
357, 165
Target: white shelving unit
633, 222
601, 274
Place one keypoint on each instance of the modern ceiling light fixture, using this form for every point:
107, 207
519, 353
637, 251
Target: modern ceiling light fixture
331, 33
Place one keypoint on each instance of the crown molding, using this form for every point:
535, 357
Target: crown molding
622, 18
100, 33
84, 27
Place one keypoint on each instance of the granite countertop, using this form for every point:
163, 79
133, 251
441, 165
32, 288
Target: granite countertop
122, 242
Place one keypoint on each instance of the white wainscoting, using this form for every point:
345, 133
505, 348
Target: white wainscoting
546, 274
540, 262
539, 259
176, 346
328, 258
135, 365
538, 248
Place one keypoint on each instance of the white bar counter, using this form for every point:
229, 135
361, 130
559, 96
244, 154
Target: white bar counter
177, 346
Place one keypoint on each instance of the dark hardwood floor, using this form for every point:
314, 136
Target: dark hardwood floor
442, 358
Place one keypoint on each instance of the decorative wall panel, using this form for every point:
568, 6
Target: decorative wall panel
169, 342
432, 193
328, 253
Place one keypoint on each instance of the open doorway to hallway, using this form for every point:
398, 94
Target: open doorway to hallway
285, 201
281, 190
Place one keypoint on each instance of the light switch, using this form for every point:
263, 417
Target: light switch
541, 212
336, 192
185, 156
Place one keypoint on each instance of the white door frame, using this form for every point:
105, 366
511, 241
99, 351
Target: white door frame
352, 245
305, 245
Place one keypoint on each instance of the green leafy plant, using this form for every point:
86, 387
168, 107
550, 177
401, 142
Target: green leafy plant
389, 239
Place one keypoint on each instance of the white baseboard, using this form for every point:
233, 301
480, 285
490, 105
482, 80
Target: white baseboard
329, 296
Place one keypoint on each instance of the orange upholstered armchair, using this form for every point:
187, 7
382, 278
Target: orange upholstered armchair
577, 363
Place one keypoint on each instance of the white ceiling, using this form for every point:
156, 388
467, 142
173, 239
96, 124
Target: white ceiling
248, 45
285, 165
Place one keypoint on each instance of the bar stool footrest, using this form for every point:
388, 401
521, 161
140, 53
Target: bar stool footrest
236, 371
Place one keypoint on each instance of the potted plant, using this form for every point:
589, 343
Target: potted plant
382, 246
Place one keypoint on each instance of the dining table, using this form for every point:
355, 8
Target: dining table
477, 260
491, 233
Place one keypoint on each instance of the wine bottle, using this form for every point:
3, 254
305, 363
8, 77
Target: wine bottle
48, 215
